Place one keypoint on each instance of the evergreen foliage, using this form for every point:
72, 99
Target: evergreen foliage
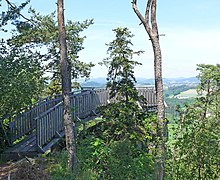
124, 112
121, 80
21, 82
11, 14
43, 33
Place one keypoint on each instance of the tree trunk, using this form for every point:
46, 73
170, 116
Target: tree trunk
152, 30
68, 123
161, 131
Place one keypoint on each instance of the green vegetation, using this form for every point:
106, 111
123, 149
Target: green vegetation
194, 150
122, 144
111, 148
21, 78
117, 145
174, 103
23, 64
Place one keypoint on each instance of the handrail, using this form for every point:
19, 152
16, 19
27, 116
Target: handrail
49, 124
23, 123
47, 118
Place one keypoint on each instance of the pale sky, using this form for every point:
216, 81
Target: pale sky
192, 30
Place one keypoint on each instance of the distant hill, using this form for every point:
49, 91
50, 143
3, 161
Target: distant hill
101, 81
93, 83
181, 80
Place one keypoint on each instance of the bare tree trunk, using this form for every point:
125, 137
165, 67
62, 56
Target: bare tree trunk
152, 30
161, 131
68, 123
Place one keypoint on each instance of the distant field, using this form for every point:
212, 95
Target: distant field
191, 93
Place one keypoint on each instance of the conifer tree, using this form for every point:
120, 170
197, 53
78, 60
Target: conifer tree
123, 111
121, 80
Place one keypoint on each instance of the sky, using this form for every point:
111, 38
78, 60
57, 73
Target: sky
191, 28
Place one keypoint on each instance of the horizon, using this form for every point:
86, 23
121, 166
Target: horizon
147, 77
141, 80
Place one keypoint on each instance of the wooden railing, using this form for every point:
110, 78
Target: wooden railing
45, 118
150, 95
102, 96
50, 123
83, 104
23, 123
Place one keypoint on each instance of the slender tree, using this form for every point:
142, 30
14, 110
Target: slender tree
68, 123
150, 24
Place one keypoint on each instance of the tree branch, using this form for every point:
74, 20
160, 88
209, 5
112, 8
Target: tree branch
135, 8
148, 11
14, 8
143, 20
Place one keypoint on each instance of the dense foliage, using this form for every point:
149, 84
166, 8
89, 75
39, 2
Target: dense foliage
21, 82
21, 78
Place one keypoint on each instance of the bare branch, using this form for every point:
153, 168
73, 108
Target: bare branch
135, 8
141, 17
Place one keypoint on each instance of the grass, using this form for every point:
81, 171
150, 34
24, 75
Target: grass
191, 93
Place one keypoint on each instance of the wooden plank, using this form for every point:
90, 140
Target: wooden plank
28, 146
52, 142
21, 144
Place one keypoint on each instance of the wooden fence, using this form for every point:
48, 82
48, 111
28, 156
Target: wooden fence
46, 117
50, 123
150, 95
24, 123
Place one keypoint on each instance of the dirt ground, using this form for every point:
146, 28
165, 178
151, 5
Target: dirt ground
25, 169
6, 170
